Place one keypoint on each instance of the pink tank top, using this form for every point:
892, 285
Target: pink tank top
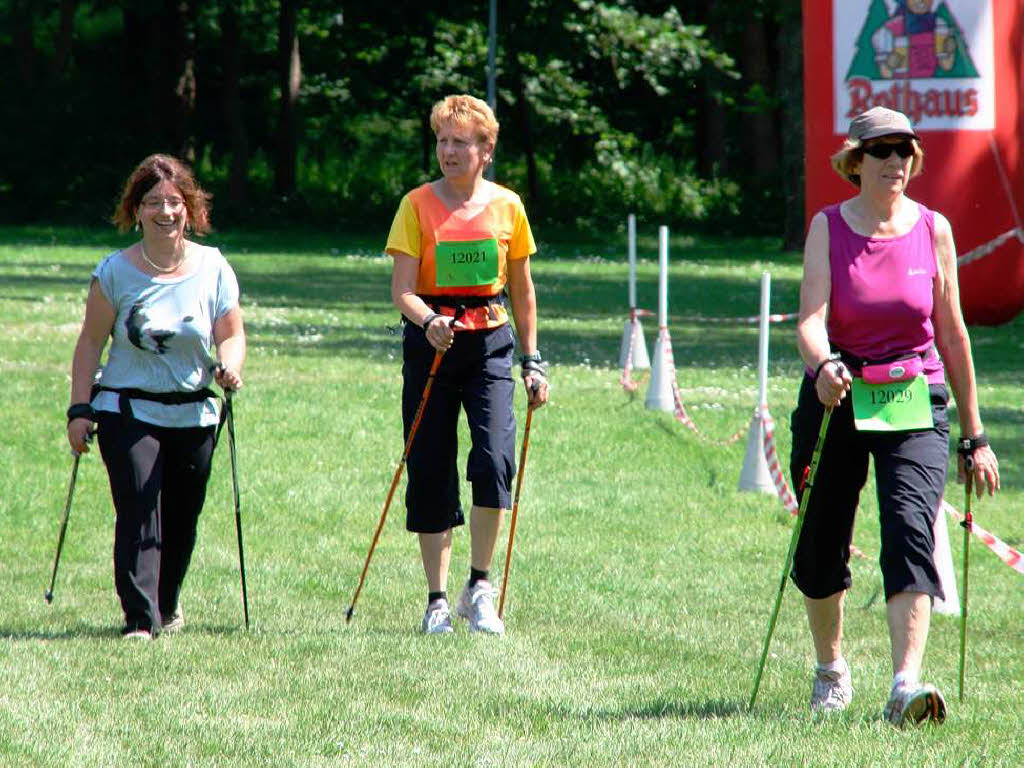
881, 301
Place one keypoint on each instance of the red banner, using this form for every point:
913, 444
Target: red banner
956, 68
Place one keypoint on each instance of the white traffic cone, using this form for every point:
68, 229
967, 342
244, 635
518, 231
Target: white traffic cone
943, 558
755, 475
640, 361
659, 390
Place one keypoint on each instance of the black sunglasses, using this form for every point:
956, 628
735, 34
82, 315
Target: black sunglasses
882, 150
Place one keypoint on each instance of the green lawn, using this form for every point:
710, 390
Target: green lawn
642, 580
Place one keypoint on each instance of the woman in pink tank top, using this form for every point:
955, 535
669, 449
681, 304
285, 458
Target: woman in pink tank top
880, 320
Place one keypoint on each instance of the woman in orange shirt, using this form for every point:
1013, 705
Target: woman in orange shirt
458, 244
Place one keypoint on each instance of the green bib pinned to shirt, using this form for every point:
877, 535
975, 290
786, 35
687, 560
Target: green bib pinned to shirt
466, 263
896, 406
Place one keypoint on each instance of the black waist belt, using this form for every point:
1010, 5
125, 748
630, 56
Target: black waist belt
469, 302
164, 398
127, 394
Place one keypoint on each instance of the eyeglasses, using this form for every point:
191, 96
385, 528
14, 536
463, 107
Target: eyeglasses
155, 203
883, 150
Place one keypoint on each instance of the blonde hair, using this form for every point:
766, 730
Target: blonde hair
845, 161
465, 110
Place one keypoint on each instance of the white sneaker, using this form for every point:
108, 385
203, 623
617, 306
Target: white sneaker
438, 618
832, 691
476, 604
175, 622
915, 704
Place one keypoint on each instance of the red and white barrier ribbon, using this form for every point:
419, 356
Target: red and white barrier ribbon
1003, 551
984, 250
679, 410
774, 466
627, 383
751, 319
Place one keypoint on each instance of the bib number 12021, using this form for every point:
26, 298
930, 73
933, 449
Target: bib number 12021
466, 263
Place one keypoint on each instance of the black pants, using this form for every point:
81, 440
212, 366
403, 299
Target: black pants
910, 476
475, 376
158, 478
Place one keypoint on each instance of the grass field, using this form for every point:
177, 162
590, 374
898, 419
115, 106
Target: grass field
642, 580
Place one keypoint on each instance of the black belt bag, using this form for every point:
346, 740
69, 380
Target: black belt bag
127, 394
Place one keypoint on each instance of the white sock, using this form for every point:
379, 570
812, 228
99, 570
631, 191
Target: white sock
839, 665
902, 678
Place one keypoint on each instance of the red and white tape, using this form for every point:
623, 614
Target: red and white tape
679, 410
750, 319
984, 250
1003, 551
627, 383
774, 466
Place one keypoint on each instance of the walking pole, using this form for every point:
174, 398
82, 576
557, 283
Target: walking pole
968, 524
808, 486
64, 522
515, 509
394, 481
238, 504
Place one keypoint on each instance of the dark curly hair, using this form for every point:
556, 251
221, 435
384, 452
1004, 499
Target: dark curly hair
150, 172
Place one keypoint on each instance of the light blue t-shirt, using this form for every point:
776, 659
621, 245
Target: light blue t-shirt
162, 340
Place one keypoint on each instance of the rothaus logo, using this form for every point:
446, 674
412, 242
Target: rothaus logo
904, 52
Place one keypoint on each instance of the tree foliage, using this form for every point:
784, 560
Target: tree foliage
316, 111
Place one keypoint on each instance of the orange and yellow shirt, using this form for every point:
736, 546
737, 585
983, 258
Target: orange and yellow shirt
460, 254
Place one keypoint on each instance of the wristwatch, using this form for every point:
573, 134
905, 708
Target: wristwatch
966, 445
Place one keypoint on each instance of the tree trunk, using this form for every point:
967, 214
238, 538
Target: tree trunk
526, 136
710, 120
791, 92
761, 137
183, 53
23, 36
65, 30
290, 78
234, 118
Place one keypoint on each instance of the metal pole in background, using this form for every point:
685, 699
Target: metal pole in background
492, 44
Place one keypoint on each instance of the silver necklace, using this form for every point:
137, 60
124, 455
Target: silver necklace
157, 267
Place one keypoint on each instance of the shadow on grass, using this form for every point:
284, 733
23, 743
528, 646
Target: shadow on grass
687, 710
94, 631
660, 708
76, 632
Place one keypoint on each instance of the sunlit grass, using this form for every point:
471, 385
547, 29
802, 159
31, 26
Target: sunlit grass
641, 582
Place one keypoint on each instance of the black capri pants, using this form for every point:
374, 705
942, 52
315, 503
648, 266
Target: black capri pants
474, 375
910, 475
158, 478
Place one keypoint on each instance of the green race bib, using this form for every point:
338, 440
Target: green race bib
465, 263
896, 406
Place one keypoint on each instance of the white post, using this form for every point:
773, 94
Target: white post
659, 391
662, 277
762, 356
755, 475
631, 245
633, 332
